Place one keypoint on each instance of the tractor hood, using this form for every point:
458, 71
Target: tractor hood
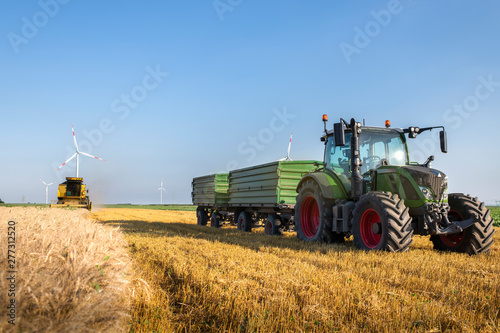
432, 179
414, 183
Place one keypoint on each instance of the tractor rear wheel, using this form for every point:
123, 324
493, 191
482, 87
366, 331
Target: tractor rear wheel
381, 221
274, 225
215, 220
201, 216
313, 214
473, 240
245, 222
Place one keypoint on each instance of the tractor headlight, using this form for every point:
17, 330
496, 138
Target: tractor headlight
427, 193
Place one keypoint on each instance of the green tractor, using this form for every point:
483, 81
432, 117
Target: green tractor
366, 187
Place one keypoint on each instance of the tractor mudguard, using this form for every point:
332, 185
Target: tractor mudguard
331, 188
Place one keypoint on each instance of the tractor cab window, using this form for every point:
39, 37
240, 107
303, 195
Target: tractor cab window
381, 147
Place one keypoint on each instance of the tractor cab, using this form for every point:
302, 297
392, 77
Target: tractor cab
377, 147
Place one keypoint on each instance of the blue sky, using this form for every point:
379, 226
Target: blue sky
174, 90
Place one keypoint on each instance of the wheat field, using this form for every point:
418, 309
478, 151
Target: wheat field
202, 279
71, 274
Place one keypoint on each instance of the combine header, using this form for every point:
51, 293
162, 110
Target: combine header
72, 193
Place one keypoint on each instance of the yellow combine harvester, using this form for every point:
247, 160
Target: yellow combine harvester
72, 193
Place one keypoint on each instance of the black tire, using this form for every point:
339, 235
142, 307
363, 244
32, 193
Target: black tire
274, 225
215, 220
235, 216
201, 216
245, 222
473, 240
313, 214
381, 221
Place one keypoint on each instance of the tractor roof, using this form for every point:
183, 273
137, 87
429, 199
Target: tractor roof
390, 129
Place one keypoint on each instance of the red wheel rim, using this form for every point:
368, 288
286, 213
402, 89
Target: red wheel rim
309, 217
455, 239
369, 237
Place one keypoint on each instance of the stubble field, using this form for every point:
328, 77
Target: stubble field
202, 279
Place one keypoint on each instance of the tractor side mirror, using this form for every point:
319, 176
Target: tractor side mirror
339, 135
443, 140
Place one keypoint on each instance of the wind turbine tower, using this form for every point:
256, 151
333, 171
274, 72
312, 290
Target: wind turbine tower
46, 190
161, 189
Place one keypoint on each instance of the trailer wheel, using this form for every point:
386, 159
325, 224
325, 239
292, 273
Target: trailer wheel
215, 220
274, 225
313, 214
245, 222
381, 222
235, 217
473, 240
201, 216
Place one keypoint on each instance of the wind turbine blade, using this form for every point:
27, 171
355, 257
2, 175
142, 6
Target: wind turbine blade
44, 183
51, 183
74, 137
69, 159
289, 146
165, 191
92, 156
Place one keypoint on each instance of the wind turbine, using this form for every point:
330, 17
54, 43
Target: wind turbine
77, 154
46, 190
287, 158
161, 189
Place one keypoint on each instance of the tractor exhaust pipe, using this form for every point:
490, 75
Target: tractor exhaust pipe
356, 163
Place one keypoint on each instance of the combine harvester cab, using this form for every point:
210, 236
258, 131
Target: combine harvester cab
72, 193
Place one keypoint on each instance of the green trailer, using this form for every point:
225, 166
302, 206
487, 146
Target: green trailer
262, 195
211, 190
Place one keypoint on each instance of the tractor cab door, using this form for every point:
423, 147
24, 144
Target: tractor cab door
338, 159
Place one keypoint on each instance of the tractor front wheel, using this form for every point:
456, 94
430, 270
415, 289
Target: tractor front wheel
473, 240
381, 221
313, 214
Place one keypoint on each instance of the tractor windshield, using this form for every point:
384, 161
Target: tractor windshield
377, 147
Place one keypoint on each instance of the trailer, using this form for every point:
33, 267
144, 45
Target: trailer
257, 196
